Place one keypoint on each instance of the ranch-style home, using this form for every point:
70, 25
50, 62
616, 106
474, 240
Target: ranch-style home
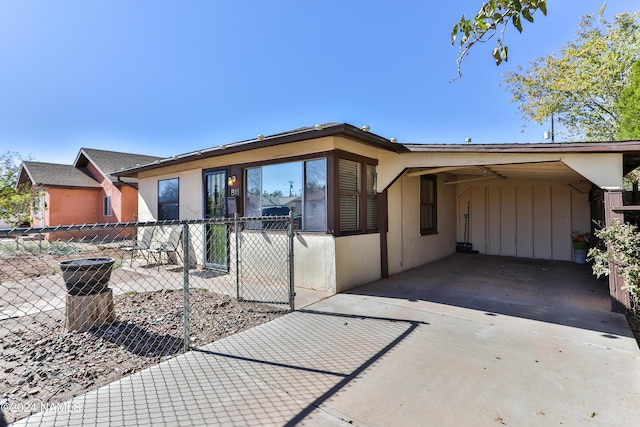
367, 207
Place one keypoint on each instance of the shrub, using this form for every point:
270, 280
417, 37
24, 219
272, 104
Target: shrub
623, 243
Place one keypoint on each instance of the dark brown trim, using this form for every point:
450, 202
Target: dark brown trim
362, 218
237, 189
332, 194
434, 229
299, 158
565, 147
240, 170
383, 228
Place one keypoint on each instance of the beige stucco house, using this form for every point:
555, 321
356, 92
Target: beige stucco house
368, 207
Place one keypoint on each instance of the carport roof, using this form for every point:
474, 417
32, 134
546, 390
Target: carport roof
629, 149
555, 170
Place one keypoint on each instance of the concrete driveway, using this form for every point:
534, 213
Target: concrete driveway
468, 340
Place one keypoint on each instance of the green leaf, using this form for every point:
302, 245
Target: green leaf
481, 24
504, 53
543, 7
496, 55
517, 6
517, 23
454, 34
526, 14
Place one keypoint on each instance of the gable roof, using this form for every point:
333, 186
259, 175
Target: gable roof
108, 162
55, 175
301, 134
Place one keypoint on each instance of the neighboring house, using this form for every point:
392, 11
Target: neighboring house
85, 192
370, 207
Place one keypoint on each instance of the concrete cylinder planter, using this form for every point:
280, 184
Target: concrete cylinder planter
87, 276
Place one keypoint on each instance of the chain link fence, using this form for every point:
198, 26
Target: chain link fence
82, 306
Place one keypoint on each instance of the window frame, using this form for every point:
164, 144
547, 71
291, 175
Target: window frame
161, 204
433, 206
107, 207
332, 193
364, 194
303, 160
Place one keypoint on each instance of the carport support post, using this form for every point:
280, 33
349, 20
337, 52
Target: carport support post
620, 300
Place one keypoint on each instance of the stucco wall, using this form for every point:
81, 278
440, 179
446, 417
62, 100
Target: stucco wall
524, 219
73, 206
406, 247
108, 190
357, 260
128, 205
190, 195
315, 261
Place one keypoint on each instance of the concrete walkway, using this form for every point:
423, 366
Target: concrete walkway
468, 340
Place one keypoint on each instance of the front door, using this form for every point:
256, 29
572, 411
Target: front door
216, 242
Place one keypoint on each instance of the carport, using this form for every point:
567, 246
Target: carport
515, 200
558, 292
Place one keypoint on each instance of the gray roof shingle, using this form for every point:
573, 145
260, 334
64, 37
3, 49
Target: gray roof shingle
108, 162
53, 174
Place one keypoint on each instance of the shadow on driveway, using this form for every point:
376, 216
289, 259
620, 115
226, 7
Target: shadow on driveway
557, 292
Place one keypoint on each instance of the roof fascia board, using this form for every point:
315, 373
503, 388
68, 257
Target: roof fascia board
27, 172
347, 130
569, 147
93, 162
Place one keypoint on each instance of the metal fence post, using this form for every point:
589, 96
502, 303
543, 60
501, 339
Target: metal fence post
235, 231
185, 286
292, 293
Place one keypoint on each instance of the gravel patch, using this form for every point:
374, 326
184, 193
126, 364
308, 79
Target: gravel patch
42, 365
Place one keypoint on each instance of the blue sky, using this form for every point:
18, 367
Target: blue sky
164, 77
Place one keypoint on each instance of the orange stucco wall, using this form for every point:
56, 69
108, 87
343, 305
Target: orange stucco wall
108, 189
129, 204
72, 206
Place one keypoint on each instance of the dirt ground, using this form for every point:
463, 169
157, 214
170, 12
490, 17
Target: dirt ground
41, 364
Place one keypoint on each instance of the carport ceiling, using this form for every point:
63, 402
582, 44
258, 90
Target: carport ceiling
555, 171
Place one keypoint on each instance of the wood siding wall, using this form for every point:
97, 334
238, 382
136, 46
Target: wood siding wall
524, 220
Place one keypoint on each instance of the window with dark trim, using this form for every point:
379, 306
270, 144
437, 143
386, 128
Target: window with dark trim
106, 206
168, 199
357, 197
298, 186
428, 205
338, 191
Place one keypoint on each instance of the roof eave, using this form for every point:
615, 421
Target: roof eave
345, 129
565, 147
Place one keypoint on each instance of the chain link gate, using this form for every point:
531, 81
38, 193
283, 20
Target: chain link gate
82, 306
